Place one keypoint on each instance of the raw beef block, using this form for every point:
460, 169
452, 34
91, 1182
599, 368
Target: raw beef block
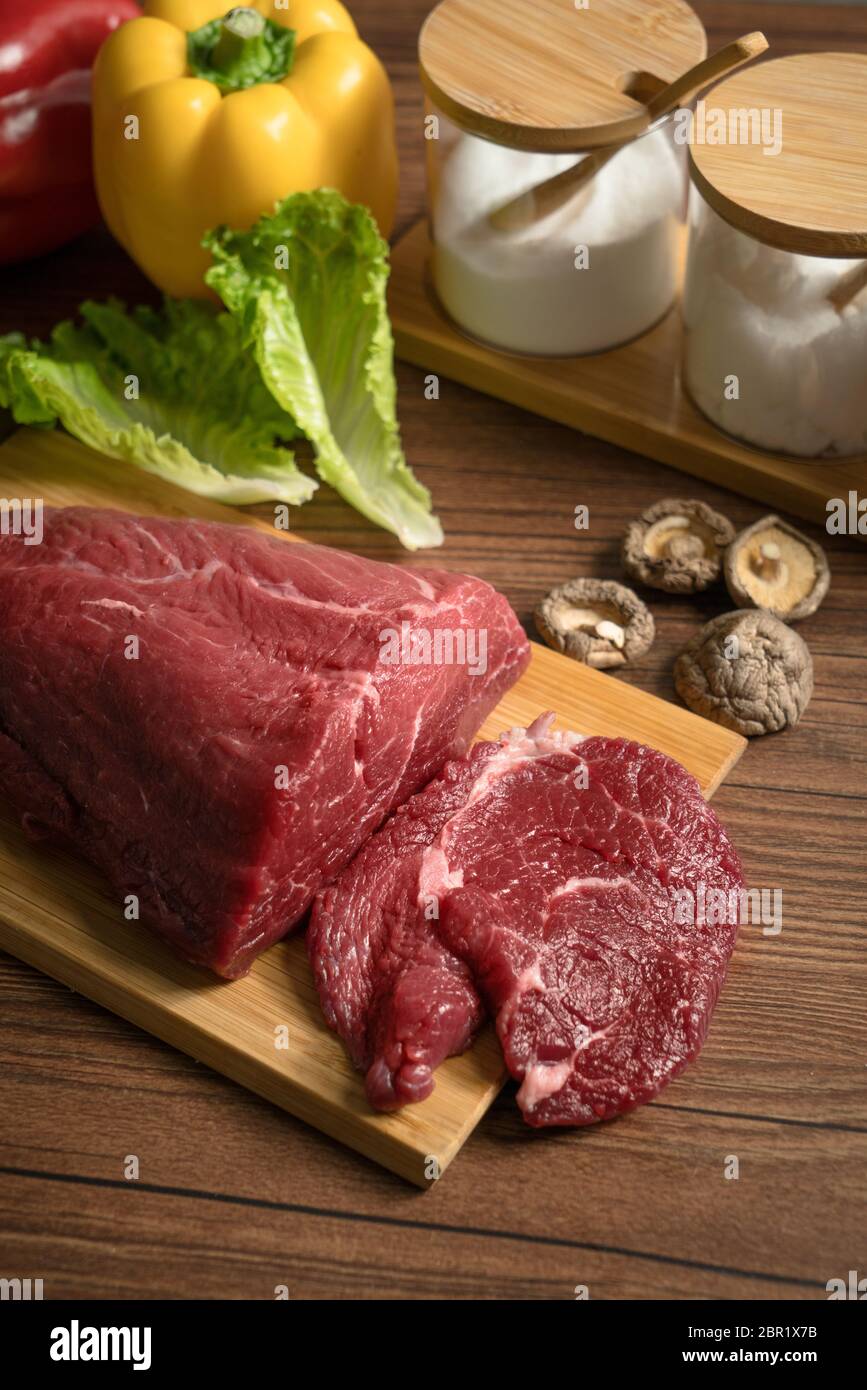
546, 878
219, 718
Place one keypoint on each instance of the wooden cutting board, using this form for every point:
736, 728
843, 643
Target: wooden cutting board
631, 396
55, 912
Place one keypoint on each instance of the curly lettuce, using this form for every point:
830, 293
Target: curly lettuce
174, 392
307, 287
209, 399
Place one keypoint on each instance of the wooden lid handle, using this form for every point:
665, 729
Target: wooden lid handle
719, 64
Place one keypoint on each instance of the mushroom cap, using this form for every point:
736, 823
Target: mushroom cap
773, 566
677, 545
597, 621
759, 683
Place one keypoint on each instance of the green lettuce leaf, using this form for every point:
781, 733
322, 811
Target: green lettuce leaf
308, 287
203, 418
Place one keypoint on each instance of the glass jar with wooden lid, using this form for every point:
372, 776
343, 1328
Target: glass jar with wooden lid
517, 93
775, 301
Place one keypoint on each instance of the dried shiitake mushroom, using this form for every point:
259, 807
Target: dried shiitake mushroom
677, 545
596, 621
773, 566
747, 671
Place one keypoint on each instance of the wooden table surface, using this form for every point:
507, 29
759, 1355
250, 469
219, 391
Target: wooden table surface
235, 1198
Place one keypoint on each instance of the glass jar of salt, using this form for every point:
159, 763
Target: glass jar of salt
775, 301
517, 93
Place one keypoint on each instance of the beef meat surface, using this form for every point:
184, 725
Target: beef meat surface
236, 762
548, 879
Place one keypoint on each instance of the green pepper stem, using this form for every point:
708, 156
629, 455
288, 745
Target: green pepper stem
242, 37
243, 49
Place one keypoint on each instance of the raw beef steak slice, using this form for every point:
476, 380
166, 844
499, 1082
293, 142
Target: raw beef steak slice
561, 870
233, 758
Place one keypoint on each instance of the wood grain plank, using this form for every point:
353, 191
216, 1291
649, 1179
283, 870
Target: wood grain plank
565, 1186
175, 1246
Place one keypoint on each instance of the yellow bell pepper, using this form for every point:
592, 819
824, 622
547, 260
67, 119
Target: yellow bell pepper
197, 127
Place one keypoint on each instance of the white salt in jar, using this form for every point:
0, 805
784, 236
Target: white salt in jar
518, 94
775, 342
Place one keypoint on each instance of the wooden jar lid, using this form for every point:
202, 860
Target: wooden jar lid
812, 196
546, 75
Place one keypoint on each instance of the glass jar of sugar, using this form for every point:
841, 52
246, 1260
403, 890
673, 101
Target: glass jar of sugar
516, 93
775, 302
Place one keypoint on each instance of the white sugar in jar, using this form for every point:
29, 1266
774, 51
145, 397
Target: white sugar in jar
767, 357
773, 354
516, 94
592, 275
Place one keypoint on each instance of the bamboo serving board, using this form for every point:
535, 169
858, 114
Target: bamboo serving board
56, 915
631, 396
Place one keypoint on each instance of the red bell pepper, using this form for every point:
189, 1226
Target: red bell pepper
47, 48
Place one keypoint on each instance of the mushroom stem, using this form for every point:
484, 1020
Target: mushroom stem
768, 564
665, 524
611, 632
685, 547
